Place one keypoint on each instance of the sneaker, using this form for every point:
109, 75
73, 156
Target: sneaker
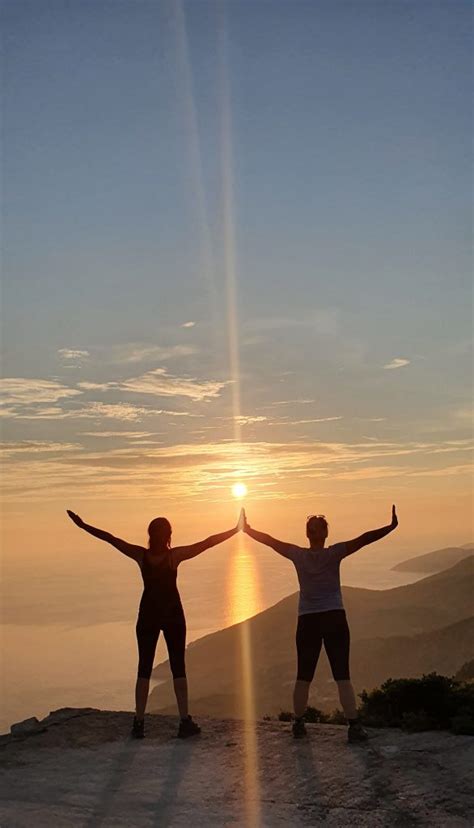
356, 733
138, 728
188, 728
299, 729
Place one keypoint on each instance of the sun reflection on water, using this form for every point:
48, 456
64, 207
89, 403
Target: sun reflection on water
243, 601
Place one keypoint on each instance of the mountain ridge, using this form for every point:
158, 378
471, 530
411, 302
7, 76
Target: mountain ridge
432, 604
435, 561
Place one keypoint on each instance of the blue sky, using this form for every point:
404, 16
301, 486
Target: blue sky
347, 147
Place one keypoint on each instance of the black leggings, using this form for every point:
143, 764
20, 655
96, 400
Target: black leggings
174, 631
315, 628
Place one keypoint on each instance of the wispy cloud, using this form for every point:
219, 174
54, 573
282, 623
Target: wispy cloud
289, 402
465, 468
159, 383
247, 420
314, 420
135, 352
98, 411
398, 362
73, 354
188, 325
96, 386
127, 435
23, 391
11, 448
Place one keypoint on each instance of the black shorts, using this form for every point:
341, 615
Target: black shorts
313, 630
173, 626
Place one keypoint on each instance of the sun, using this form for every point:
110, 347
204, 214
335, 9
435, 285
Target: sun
239, 490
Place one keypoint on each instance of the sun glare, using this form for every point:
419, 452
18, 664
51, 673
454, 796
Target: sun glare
239, 490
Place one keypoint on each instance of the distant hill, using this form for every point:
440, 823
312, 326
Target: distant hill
437, 560
397, 632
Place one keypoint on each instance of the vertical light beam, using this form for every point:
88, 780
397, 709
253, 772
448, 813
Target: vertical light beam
229, 222
243, 577
196, 175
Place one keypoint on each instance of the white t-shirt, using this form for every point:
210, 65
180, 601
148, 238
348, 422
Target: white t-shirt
318, 576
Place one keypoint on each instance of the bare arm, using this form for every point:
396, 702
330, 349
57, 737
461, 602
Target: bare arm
184, 553
129, 549
279, 546
372, 536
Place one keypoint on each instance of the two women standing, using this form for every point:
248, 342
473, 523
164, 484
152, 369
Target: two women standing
321, 615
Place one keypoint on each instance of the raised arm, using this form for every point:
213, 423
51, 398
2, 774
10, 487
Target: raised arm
184, 553
279, 546
372, 536
128, 549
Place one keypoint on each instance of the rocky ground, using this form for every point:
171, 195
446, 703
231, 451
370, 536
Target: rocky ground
80, 768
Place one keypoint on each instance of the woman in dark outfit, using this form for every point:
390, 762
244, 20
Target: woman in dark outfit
160, 610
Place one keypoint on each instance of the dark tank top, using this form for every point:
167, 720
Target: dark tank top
160, 593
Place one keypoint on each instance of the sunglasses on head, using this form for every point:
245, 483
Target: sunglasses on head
310, 517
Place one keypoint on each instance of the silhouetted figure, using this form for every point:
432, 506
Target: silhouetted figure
160, 610
321, 615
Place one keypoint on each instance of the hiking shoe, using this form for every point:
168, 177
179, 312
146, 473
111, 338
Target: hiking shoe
356, 733
138, 728
299, 729
188, 728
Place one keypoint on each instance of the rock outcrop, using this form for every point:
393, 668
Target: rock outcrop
80, 768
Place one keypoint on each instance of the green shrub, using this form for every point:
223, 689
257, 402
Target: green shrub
313, 714
416, 722
337, 717
430, 703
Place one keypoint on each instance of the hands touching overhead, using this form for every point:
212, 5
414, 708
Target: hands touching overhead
242, 524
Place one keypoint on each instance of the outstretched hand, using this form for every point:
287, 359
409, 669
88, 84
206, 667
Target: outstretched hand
243, 525
75, 518
394, 523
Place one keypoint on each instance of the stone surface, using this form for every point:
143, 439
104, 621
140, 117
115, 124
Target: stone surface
80, 768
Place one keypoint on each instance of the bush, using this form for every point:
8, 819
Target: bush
316, 716
416, 722
430, 703
337, 717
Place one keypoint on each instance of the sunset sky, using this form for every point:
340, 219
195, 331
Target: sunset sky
236, 248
